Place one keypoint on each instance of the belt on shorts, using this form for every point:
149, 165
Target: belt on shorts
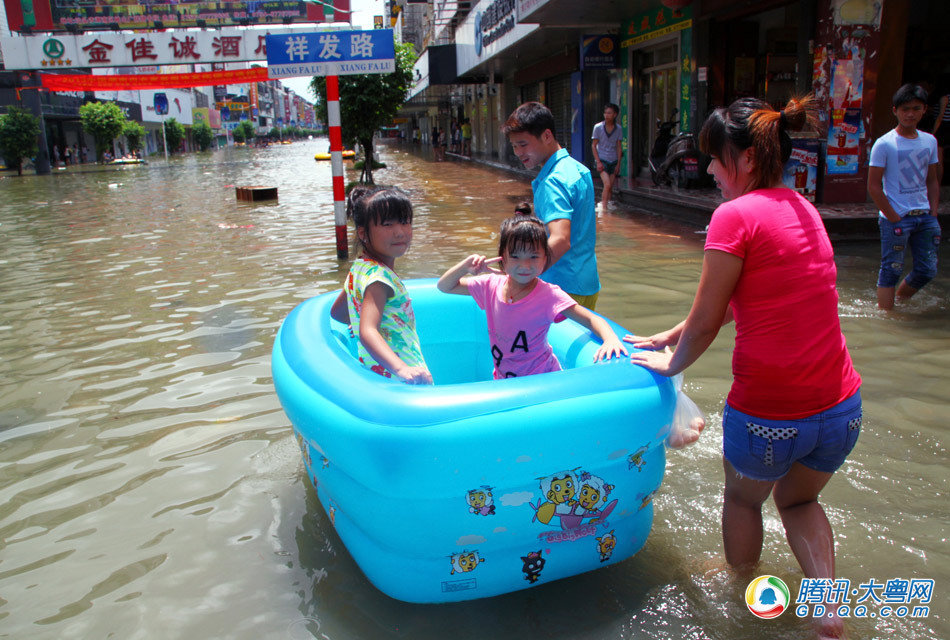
918, 212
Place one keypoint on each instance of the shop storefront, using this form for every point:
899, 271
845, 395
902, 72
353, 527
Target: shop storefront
656, 50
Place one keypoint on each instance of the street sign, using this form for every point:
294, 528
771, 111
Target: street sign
335, 53
160, 101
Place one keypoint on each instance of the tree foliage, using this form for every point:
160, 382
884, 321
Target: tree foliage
368, 102
174, 134
247, 129
134, 134
18, 131
104, 121
203, 134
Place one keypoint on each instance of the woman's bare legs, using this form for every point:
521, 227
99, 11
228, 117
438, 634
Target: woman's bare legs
808, 531
806, 526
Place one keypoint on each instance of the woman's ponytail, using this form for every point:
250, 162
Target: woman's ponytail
768, 132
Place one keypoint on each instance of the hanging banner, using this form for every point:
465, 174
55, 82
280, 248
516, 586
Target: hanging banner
252, 95
86, 82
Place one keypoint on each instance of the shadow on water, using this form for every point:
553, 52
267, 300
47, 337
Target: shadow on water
150, 484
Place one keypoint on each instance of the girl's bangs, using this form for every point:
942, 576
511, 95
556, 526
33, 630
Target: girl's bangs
389, 206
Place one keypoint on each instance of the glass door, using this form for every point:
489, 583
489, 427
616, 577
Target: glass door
656, 95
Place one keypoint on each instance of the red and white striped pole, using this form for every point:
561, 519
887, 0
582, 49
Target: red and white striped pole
336, 162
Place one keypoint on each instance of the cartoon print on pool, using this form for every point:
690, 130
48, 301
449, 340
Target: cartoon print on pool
480, 501
647, 499
635, 459
464, 562
606, 545
572, 497
533, 564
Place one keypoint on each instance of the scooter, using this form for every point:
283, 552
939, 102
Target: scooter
661, 145
684, 165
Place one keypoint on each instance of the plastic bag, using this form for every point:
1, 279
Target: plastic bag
688, 420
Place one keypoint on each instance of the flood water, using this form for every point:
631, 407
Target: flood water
150, 485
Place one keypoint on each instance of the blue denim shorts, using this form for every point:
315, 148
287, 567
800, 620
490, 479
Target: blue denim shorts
764, 449
609, 167
920, 232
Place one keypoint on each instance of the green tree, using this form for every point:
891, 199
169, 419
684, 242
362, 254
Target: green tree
247, 129
274, 133
104, 121
368, 102
238, 134
18, 131
203, 135
174, 134
134, 134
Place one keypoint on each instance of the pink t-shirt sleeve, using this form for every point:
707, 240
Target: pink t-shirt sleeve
728, 231
479, 287
560, 301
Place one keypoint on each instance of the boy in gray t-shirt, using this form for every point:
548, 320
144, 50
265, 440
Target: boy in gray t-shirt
607, 146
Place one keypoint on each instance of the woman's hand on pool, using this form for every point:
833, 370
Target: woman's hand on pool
415, 375
610, 349
656, 361
656, 342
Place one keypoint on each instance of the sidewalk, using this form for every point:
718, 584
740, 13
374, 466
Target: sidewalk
844, 221
694, 207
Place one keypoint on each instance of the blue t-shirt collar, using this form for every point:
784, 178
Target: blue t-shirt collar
548, 167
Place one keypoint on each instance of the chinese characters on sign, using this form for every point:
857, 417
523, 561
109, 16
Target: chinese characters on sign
331, 53
138, 49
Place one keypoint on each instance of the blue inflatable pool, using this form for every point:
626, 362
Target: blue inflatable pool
473, 487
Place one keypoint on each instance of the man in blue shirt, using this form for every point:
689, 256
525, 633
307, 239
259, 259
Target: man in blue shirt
563, 200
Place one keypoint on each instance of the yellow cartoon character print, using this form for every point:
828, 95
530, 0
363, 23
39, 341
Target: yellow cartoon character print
559, 491
606, 545
480, 501
465, 562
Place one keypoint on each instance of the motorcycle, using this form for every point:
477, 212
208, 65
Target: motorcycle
684, 165
661, 145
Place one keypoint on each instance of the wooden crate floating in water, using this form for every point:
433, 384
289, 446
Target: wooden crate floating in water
253, 194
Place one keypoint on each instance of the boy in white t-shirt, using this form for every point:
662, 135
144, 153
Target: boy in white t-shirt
902, 181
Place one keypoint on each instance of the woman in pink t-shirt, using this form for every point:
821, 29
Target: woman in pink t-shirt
794, 411
520, 306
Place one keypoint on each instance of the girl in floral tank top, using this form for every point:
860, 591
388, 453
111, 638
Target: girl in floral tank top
374, 300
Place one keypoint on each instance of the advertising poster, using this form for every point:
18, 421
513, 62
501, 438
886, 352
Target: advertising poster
845, 129
844, 143
801, 170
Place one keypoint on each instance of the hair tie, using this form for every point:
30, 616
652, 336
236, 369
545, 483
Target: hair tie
782, 120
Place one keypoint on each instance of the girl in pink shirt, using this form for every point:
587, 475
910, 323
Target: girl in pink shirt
520, 306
